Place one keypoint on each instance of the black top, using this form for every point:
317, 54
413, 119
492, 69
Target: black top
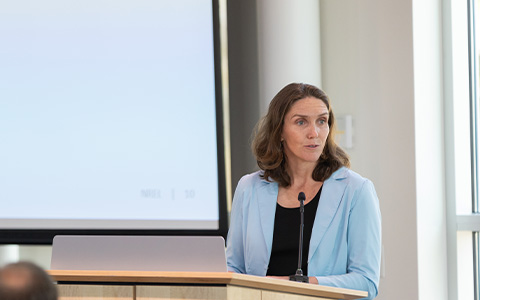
285, 251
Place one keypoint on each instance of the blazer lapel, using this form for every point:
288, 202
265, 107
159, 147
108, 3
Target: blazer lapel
331, 197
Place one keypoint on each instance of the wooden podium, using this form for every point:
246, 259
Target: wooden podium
136, 285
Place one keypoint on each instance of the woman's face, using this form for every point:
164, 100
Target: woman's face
305, 130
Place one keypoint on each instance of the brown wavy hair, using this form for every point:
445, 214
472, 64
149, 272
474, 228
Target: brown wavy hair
267, 146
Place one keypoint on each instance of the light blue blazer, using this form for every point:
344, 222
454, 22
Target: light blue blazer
345, 246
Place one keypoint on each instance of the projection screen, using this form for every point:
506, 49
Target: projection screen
110, 119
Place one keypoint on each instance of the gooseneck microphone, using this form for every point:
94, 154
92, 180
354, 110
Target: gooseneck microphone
299, 277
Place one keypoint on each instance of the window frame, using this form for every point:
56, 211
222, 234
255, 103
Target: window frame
460, 64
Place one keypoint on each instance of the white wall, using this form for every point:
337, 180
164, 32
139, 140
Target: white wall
430, 149
288, 45
377, 68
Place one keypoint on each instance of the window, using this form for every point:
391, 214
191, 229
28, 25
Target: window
462, 98
494, 160
473, 7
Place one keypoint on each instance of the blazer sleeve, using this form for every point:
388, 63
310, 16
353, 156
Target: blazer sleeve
364, 245
236, 235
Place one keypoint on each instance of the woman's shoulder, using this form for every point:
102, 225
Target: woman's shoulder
252, 177
251, 180
346, 175
250, 184
355, 185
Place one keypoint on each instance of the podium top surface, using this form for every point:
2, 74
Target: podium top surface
220, 278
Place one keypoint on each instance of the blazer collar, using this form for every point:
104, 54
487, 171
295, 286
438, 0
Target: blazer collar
338, 174
330, 199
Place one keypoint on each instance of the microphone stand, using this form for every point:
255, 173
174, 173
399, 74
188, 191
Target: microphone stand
299, 277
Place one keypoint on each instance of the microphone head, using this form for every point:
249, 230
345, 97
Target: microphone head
301, 196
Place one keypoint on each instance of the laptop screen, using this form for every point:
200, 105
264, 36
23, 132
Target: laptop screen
139, 253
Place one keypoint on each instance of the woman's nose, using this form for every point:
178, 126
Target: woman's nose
313, 132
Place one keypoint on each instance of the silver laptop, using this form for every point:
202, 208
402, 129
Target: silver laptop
139, 253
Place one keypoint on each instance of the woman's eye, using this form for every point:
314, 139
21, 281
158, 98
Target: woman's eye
322, 121
300, 122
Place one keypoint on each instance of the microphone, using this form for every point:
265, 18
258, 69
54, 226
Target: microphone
299, 277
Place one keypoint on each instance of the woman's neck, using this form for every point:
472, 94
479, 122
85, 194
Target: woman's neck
301, 181
301, 174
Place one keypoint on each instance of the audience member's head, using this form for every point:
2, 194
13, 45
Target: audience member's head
26, 281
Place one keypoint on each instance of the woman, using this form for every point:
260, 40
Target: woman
296, 152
